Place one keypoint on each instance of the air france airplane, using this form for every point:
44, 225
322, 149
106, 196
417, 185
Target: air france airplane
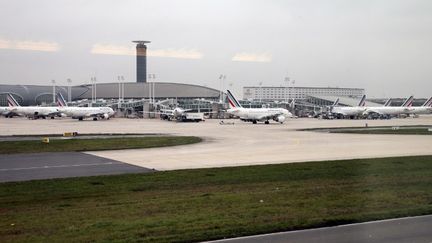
348, 110
392, 110
256, 114
4, 111
83, 112
426, 108
31, 111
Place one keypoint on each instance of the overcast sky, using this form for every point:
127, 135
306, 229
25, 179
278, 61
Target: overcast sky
384, 46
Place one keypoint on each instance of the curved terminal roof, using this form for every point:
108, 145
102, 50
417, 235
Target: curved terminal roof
34, 94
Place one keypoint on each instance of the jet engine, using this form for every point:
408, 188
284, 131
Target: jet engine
280, 119
105, 116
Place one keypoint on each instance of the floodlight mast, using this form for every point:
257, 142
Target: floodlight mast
141, 63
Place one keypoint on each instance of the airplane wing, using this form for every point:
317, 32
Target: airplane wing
96, 114
268, 117
340, 113
158, 113
368, 111
166, 112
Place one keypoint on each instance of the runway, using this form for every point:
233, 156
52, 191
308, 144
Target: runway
241, 143
413, 229
22, 167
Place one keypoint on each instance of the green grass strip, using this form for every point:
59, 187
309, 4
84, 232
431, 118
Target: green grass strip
68, 145
204, 204
400, 131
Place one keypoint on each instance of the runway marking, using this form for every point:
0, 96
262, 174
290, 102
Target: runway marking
57, 166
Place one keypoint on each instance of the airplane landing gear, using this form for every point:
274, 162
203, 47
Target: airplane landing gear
94, 119
266, 122
254, 122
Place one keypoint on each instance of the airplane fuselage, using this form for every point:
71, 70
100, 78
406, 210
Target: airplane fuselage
349, 111
260, 114
83, 112
35, 111
420, 110
394, 110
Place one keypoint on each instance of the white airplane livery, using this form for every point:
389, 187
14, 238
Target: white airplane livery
174, 113
31, 111
348, 110
4, 111
426, 108
405, 108
83, 112
256, 114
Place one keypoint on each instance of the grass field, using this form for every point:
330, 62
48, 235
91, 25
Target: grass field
66, 145
400, 131
204, 204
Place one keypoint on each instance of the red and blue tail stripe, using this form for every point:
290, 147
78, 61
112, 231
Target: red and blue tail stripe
408, 102
232, 100
428, 102
60, 100
11, 101
362, 101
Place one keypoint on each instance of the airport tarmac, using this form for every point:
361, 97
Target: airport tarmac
23, 167
241, 143
411, 229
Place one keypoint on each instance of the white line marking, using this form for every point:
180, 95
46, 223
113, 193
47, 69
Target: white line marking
57, 166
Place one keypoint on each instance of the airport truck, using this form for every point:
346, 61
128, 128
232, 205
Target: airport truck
191, 117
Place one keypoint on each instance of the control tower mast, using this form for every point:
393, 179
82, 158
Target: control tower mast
141, 61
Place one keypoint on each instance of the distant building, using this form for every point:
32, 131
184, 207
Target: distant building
268, 93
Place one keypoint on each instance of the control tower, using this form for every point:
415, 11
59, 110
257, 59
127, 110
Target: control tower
141, 61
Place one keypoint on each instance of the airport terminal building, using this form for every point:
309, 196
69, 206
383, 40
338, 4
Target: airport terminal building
271, 93
40, 95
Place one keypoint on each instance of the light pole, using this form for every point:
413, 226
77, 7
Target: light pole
154, 84
261, 92
120, 90
287, 79
95, 89
94, 96
69, 90
222, 77
53, 92
152, 77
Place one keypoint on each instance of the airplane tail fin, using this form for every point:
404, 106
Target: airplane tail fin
336, 102
233, 103
388, 102
61, 102
428, 102
408, 102
12, 101
362, 101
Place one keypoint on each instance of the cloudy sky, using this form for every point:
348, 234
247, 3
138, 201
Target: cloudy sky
384, 46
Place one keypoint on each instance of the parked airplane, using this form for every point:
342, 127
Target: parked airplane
31, 111
169, 114
256, 114
426, 108
4, 111
349, 110
83, 112
391, 110
388, 102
